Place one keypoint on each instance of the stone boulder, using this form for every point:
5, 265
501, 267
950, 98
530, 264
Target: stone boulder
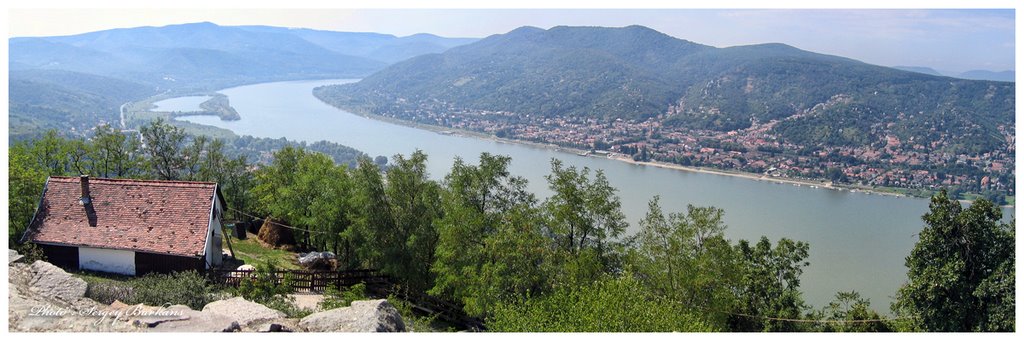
13, 256
243, 311
45, 309
362, 316
48, 280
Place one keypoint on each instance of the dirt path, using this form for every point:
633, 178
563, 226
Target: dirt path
307, 301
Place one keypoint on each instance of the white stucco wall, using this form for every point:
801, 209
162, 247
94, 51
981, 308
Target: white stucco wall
214, 235
106, 260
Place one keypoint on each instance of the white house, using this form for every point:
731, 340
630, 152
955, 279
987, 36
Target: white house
127, 226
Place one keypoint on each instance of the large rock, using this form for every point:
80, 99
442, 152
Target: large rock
48, 280
243, 311
13, 256
44, 309
190, 321
362, 316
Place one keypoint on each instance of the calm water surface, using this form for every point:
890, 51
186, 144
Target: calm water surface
858, 241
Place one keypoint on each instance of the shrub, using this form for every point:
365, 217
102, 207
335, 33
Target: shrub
608, 305
30, 253
188, 288
106, 292
335, 298
414, 322
270, 288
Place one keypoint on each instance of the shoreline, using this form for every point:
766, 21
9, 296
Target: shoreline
815, 184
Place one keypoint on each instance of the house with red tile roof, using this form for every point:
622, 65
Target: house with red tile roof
128, 226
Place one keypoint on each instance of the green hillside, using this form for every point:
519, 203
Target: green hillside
636, 73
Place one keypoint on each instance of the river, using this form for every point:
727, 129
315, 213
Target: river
858, 240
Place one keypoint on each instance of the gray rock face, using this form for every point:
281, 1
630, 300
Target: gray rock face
245, 312
13, 256
362, 316
50, 281
44, 309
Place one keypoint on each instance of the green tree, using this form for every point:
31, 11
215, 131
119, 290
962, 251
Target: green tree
51, 153
308, 190
685, 257
619, 304
394, 227
489, 237
960, 274
771, 285
81, 157
164, 144
118, 155
585, 218
24, 188
850, 306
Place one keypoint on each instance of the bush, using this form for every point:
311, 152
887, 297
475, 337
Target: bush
31, 252
608, 305
108, 291
414, 322
188, 288
335, 298
270, 288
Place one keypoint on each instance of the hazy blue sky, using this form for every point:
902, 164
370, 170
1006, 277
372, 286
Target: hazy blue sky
946, 40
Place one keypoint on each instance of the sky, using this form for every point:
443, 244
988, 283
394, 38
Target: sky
950, 40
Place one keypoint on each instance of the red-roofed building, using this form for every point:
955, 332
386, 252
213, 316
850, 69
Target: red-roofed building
128, 226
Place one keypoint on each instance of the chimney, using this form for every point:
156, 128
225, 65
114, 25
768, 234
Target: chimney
86, 199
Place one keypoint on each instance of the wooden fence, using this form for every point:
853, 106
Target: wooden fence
304, 281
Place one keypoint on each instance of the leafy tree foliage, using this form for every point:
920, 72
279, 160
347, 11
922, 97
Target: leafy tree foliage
396, 232
771, 285
846, 307
490, 239
584, 218
685, 257
164, 143
961, 270
619, 304
307, 190
24, 188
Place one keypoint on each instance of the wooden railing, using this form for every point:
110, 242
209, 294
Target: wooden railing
304, 281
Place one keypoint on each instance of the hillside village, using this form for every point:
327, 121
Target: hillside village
889, 162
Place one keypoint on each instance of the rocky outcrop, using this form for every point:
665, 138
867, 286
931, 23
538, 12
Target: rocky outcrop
362, 316
48, 280
43, 297
243, 311
13, 256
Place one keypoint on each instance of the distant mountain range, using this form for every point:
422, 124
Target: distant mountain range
1001, 76
205, 54
83, 76
636, 73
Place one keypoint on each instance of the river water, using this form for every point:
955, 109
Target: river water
858, 240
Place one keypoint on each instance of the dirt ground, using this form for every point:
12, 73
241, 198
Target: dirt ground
307, 301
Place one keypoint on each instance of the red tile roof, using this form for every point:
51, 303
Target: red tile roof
163, 217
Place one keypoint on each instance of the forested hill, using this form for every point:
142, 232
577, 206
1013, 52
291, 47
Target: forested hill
636, 73
190, 55
76, 82
206, 54
70, 102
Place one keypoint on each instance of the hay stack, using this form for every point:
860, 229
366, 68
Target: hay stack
275, 235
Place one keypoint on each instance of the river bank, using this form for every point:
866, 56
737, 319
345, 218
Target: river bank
818, 184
